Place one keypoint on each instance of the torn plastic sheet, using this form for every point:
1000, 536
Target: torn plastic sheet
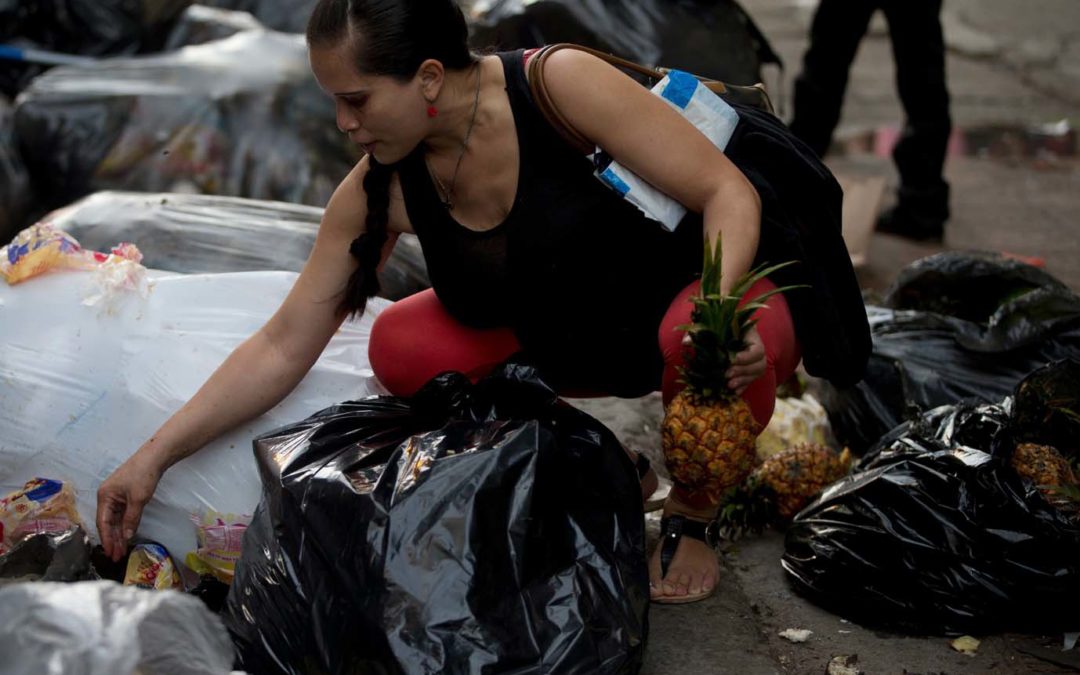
82, 388
205, 233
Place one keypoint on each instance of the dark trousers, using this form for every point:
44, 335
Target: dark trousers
919, 52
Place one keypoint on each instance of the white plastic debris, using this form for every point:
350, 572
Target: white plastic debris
796, 635
965, 644
103, 628
1070, 641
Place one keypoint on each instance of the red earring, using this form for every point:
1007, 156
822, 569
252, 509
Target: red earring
432, 111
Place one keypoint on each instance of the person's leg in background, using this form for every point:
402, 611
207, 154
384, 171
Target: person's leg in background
693, 569
919, 51
837, 29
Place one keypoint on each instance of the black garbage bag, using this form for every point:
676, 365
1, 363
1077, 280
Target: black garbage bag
197, 234
240, 117
956, 325
936, 533
472, 528
200, 24
711, 38
15, 196
62, 555
81, 27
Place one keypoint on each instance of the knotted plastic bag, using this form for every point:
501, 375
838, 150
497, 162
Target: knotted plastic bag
472, 528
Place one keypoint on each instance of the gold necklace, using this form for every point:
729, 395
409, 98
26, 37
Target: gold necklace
448, 201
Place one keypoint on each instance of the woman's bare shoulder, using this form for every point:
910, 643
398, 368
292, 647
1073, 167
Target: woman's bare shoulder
348, 205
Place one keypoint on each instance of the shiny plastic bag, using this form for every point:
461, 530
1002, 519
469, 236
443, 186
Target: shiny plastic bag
956, 326
241, 116
936, 533
103, 628
202, 233
471, 528
82, 386
715, 39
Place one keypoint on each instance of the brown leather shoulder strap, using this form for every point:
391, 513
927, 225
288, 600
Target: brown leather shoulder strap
547, 106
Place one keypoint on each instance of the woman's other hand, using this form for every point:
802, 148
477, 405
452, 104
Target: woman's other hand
749, 364
120, 502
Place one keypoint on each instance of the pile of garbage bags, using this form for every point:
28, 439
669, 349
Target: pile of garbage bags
711, 38
954, 326
471, 528
938, 530
241, 116
82, 27
197, 234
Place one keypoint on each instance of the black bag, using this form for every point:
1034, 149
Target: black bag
936, 533
954, 326
472, 528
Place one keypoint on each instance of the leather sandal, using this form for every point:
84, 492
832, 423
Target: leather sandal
672, 530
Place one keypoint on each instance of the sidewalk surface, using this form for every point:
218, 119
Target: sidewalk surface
1011, 65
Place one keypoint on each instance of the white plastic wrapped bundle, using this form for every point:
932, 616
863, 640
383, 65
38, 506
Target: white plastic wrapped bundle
81, 387
708, 112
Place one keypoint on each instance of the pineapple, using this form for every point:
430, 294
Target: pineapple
780, 487
1050, 472
796, 475
708, 432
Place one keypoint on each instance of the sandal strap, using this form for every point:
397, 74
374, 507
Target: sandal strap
672, 530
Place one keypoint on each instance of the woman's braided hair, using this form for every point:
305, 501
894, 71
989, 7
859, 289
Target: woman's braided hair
398, 35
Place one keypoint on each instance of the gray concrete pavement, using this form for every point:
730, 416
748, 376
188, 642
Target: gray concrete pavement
1009, 63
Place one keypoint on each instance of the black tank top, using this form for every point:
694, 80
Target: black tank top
580, 275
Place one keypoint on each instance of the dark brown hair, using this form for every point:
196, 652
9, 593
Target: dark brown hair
398, 35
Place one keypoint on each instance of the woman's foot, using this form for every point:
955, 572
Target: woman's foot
694, 570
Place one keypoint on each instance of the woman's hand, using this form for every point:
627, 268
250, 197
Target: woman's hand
749, 364
120, 502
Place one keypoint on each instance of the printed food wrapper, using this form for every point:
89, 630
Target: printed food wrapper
150, 566
41, 248
40, 506
220, 537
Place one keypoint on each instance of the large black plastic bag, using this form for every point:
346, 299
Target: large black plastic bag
201, 233
935, 532
84, 27
712, 38
954, 326
473, 528
240, 117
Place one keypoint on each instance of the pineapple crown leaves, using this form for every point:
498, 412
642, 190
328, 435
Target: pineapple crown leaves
719, 324
746, 509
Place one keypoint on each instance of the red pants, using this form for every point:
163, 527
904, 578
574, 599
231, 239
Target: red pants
404, 357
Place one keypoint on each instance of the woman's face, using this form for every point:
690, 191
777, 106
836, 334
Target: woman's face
383, 115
